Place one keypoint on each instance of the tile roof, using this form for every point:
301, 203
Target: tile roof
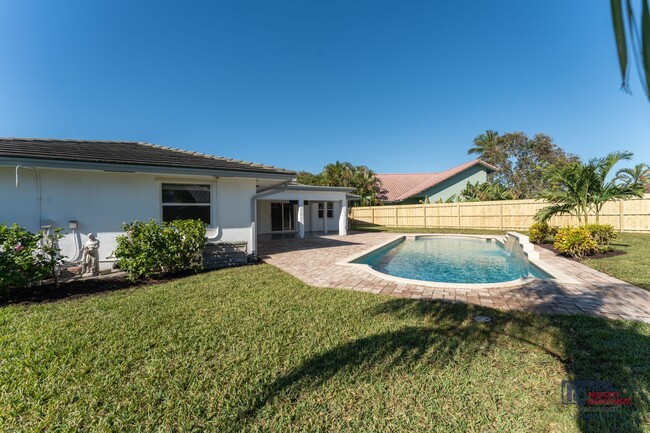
125, 152
398, 187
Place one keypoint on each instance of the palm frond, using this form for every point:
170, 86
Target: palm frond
545, 214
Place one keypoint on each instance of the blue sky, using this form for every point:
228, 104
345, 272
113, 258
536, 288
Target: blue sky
398, 86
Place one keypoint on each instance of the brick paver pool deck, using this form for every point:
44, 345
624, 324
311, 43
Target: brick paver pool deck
315, 260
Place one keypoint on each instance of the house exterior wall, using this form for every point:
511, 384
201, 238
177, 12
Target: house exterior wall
451, 186
102, 201
332, 223
263, 214
234, 196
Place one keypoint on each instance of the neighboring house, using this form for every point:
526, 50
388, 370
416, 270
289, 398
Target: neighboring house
95, 186
409, 188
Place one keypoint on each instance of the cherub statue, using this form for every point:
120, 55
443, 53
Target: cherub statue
90, 258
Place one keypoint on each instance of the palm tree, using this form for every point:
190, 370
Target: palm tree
579, 188
604, 190
338, 174
366, 184
361, 178
483, 143
626, 27
569, 194
640, 173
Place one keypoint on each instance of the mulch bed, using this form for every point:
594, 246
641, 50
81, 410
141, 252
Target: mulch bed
610, 253
74, 289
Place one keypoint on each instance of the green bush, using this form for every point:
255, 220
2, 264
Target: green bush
575, 241
603, 234
149, 249
539, 232
26, 257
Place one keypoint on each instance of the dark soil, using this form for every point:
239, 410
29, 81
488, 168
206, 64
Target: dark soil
74, 289
610, 253
83, 287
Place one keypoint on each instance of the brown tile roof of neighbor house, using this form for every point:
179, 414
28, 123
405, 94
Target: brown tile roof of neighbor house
398, 187
125, 152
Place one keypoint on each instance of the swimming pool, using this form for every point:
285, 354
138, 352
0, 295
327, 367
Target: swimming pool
446, 259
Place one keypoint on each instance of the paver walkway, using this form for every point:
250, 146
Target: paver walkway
314, 261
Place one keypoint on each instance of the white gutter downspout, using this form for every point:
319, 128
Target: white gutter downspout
38, 190
263, 193
216, 226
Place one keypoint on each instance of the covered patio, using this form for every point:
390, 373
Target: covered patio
293, 211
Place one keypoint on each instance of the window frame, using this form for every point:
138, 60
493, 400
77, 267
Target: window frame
202, 182
329, 207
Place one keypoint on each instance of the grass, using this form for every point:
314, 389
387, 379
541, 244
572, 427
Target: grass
255, 349
633, 266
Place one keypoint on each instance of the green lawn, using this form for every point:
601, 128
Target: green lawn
634, 266
255, 349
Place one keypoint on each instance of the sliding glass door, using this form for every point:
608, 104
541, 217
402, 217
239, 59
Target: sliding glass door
282, 217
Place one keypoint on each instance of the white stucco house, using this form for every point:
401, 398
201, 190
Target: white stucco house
87, 187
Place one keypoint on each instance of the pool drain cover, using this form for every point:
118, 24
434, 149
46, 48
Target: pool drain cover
482, 319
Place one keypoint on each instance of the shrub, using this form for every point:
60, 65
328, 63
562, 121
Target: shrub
539, 232
603, 234
149, 249
27, 257
575, 241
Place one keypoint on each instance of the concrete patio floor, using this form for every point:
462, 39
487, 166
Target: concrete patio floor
314, 260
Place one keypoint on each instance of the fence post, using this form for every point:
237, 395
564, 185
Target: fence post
373, 215
396, 217
458, 204
621, 215
424, 214
501, 215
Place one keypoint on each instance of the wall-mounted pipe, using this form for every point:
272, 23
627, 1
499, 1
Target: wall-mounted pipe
38, 190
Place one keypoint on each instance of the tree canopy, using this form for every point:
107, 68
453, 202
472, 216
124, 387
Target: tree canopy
523, 163
359, 177
484, 192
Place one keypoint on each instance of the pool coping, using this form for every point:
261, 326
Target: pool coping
527, 247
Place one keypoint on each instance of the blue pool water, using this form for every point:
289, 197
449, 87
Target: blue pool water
451, 260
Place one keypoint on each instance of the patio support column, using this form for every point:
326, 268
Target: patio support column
325, 217
343, 218
301, 218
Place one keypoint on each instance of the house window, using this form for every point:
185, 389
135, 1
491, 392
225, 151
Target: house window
185, 201
330, 210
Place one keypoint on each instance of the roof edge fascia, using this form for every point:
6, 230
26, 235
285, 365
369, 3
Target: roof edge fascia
134, 168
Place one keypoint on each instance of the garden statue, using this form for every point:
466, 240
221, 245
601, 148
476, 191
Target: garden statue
90, 259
